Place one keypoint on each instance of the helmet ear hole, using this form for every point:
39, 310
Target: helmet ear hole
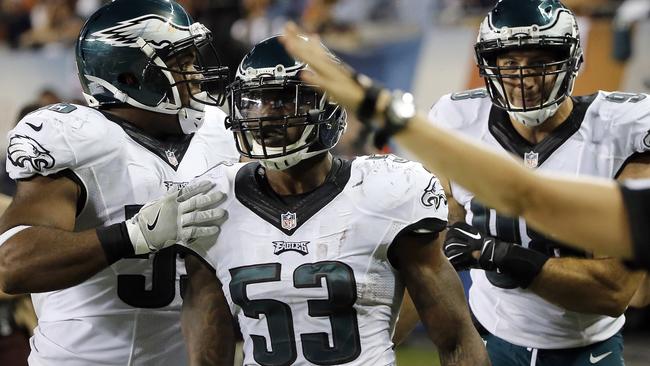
157, 82
154, 76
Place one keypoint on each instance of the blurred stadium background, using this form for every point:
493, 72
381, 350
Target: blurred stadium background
424, 46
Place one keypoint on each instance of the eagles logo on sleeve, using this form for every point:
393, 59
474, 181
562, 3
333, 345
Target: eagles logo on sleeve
25, 150
434, 194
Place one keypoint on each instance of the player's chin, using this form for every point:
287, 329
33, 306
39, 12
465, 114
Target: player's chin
271, 139
525, 102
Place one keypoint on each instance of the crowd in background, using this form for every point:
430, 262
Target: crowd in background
381, 38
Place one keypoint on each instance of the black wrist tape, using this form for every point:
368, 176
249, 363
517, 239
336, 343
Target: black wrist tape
382, 136
115, 241
522, 264
368, 106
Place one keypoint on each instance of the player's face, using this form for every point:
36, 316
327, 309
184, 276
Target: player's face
528, 76
187, 79
277, 114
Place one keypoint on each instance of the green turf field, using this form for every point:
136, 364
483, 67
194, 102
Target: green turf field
408, 355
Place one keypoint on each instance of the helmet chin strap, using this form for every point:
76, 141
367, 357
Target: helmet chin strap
286, 162
283, 162
191, 118
289, 160
536, 117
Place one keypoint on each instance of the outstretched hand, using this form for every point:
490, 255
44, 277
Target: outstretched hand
336, 79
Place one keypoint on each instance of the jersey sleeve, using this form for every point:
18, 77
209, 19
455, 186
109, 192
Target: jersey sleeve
412, 198
458, 110
59, 137
424, 210
405, 193
630, 116
442, 112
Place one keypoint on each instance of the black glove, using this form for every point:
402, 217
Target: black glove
522, 264
462, 239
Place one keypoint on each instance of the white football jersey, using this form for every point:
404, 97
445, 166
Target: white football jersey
603, 131
129, 313
308, 277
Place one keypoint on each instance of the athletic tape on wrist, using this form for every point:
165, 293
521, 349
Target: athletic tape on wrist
115, 241
522, 264
371, 91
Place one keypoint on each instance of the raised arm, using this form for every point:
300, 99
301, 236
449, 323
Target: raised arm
564, 281
552, 204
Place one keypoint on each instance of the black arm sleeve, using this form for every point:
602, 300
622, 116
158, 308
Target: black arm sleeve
637, 205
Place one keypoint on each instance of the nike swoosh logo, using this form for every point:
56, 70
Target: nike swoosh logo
153, 226
597, 359
454, 256
455, 245
487, 242
35, 128
473, 236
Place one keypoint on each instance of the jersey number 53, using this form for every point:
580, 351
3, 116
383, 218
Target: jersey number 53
339, 307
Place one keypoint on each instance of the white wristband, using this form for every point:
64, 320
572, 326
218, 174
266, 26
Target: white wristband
11, 232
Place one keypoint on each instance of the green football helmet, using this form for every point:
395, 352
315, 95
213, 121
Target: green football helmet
141, 53
268, 99
529, 24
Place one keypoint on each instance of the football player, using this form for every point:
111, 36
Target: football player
529, 291
317, 250
83, 172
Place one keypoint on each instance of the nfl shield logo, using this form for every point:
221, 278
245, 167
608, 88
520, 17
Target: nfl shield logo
530, 159
171, 157
288, 220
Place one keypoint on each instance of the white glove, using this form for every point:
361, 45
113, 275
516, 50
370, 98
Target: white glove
179, 217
